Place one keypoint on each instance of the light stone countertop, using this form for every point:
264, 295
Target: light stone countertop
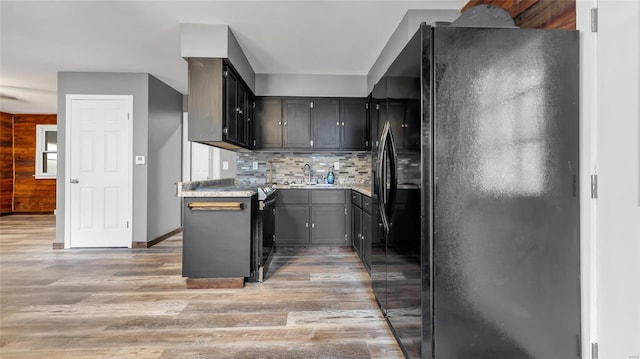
215, 188
364, 189
226, 188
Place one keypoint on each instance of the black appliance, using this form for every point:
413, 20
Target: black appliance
476, 178
266, 230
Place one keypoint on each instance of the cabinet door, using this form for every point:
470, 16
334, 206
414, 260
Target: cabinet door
297, 123
353, 123
374, 123
326, 123
328, 225
367, 230
268, 123
412, 119
356, 228
241, 114
251, 105
292, 224
395, 116
231, 106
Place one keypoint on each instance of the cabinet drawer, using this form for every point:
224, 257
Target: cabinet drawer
292, 196
356, 199
323, 196
366, 204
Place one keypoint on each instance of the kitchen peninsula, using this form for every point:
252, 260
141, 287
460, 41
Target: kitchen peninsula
230, 229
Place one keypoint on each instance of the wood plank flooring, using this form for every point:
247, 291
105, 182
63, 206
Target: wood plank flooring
133, 303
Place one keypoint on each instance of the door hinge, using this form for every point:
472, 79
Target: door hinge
594, 19
377, 106
274, 213
311, 142
311, 104
127, 224
254, 142
274, 237
254, 104
225, 131
128, 116
345, 237
594, 186
225, 73
366, 105
345, 211
594, 350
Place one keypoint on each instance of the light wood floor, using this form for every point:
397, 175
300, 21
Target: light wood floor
122, 303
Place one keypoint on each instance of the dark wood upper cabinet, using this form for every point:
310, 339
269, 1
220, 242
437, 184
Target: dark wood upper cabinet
311, 123
326, 123
353, 124
395, 116
268, 122
241, 115
231, 106
296, 123
219, 105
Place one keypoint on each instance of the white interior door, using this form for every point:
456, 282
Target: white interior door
618, 166
99, 171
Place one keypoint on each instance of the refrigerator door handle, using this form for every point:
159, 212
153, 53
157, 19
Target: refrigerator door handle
387, 155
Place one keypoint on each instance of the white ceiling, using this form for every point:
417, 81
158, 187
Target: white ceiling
40, 38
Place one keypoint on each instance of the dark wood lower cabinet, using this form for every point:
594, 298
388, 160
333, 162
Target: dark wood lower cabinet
328, 224
311, 217
362, 230
292, 225
356, 228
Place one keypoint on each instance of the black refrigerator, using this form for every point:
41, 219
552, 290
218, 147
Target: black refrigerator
475, 169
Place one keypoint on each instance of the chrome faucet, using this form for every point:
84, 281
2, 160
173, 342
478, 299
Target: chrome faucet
306, 165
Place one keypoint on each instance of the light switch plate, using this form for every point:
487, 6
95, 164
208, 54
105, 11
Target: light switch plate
336, 165
255, 165
225, 165
140, 160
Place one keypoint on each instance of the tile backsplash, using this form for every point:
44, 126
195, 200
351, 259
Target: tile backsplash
355, 167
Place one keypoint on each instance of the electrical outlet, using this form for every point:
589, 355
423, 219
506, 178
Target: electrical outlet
336, 165
225, 165
255, 165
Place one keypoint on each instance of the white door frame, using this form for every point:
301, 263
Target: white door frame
67, 160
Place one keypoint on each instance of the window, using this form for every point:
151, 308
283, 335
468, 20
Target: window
46, 151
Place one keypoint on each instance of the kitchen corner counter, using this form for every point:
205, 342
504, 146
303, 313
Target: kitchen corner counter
214, 188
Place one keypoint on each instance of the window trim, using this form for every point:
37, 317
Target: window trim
40, 146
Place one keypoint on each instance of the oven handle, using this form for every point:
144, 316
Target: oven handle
268, 202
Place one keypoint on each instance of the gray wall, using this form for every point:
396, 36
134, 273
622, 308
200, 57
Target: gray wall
164, 160
311, 85
103, 83
240, 61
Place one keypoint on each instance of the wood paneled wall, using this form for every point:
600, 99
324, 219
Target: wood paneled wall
21, 192
6, 163
536, 14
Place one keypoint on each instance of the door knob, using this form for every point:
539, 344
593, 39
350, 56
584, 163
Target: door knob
74, 180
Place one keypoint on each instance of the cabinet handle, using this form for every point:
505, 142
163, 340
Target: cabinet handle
337, 123
343, 124
285, 123
279, 123
306, 224
313, 225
